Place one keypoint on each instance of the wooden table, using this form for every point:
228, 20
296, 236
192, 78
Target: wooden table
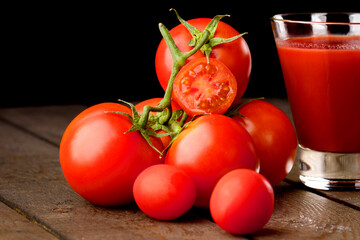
37, 203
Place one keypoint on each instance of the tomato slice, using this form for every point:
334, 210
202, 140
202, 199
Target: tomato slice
201, 87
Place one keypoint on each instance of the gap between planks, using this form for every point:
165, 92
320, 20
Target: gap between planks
32, 219
13, 206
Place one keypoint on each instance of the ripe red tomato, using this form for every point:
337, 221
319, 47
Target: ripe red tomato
209, 147
99, 161
164, 192
202, 87
235, 55
274, 137
242, 202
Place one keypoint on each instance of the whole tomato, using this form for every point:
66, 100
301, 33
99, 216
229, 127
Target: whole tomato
274, 137
209, 147
99, 160
235, 55
242, 202
164, 192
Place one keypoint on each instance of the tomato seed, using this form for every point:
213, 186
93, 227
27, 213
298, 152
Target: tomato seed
207, 67
185, 81
199, 68
193, 90
192, 73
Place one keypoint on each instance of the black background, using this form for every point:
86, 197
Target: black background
64, 53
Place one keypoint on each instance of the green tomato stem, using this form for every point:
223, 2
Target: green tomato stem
179, 60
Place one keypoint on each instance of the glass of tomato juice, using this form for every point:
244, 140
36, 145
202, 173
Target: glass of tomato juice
320, 59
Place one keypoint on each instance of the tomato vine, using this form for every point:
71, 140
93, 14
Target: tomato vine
203, 41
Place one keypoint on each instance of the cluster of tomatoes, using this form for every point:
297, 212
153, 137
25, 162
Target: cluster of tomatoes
198, 148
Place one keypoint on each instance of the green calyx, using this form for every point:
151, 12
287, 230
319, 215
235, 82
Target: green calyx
147, 131
173, 127
206, 49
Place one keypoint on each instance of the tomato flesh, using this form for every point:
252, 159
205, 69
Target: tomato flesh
201, 87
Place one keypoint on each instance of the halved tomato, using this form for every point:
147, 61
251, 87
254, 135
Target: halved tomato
203, 87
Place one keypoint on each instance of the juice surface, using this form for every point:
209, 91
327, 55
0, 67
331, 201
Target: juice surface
322, 78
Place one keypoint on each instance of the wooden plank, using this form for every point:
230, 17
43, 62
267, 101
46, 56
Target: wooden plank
48, 122
29, 168
14, 226
349, 198
300, 214
31, 181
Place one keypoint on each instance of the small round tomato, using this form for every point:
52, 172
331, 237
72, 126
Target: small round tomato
209, 147
242, 202
274, 137
99, 160
204, 87
235, 55
164, 192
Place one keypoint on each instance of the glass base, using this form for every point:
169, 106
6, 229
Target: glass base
329, 171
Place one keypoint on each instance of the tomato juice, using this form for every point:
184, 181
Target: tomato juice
322, 78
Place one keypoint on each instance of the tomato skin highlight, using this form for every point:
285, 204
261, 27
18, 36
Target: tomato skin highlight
204, 87
242, 202
274, 137
235, 55
99, 161
209, 147
164, 192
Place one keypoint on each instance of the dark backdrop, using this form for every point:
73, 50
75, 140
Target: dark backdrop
64, 53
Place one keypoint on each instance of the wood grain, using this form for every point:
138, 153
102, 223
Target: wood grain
48, 122
14, 226
300, 214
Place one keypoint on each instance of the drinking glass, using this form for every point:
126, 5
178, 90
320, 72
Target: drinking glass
320, 60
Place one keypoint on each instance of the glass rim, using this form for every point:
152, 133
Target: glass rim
276, 17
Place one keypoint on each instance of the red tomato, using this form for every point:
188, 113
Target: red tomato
235, 55
202, 87
209, 147
274, 137
99, 161
242, 202
164, 192
154, 102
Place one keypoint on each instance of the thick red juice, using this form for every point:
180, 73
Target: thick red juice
322, 78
